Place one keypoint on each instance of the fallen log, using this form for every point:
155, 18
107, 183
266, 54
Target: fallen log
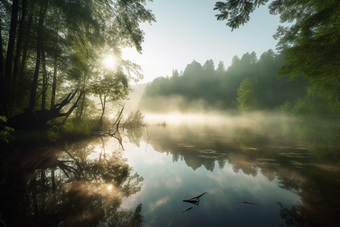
39, 118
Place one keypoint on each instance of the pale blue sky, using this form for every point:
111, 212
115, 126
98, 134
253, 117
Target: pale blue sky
187, 30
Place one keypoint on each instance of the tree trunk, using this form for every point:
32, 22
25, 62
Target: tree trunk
82, 106
10, 50
34, 198
55, 64
44, 81
18, 48
103, 103
53, 187
3, 110
37, 64
30, 119
74, 106
27, 41
42, 197
54, 83
35, 79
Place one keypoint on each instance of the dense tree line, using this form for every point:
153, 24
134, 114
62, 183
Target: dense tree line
311, 46
248, 84
52, 47
307, 50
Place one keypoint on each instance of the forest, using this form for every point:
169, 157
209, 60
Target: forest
248, 84
300, 78
52, 55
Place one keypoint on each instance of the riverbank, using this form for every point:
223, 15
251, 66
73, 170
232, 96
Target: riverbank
51, 135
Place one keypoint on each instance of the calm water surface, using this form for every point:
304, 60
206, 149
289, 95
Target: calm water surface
255, 172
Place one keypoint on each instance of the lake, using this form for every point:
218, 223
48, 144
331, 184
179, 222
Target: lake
254, 171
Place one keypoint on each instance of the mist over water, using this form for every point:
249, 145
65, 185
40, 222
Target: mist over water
272, 160
256, 169
259, 168
214, 118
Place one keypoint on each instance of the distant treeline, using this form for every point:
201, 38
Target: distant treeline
248, 84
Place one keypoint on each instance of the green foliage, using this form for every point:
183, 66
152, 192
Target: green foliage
200, 87
110, 88
266, 91
286, 107
303, 108
86, 109
321, 136
318, 103
311, 47
36, 135
135, 119
248, 84
78, 129
6, 133
56, 129
59, 46
237, 11
247, 95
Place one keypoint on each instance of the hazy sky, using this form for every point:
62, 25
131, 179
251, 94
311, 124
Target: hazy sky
187, 30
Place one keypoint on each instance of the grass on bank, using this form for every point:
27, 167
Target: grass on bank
55, 130
58, 130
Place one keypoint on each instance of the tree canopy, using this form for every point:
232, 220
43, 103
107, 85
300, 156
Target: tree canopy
50, 48
310, 45
237, 11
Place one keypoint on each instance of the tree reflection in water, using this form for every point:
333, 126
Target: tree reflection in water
66, 187
302, 156
134, 134
297, 216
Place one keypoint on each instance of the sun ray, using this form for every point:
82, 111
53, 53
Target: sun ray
109, 62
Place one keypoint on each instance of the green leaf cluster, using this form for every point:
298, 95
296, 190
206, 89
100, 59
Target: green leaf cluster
237, 11
6, 133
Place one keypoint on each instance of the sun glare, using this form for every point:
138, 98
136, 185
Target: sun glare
109, 187
109, 62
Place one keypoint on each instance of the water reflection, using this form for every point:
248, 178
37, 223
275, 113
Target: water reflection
295, 154
134, 135
65, 187
260, 173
